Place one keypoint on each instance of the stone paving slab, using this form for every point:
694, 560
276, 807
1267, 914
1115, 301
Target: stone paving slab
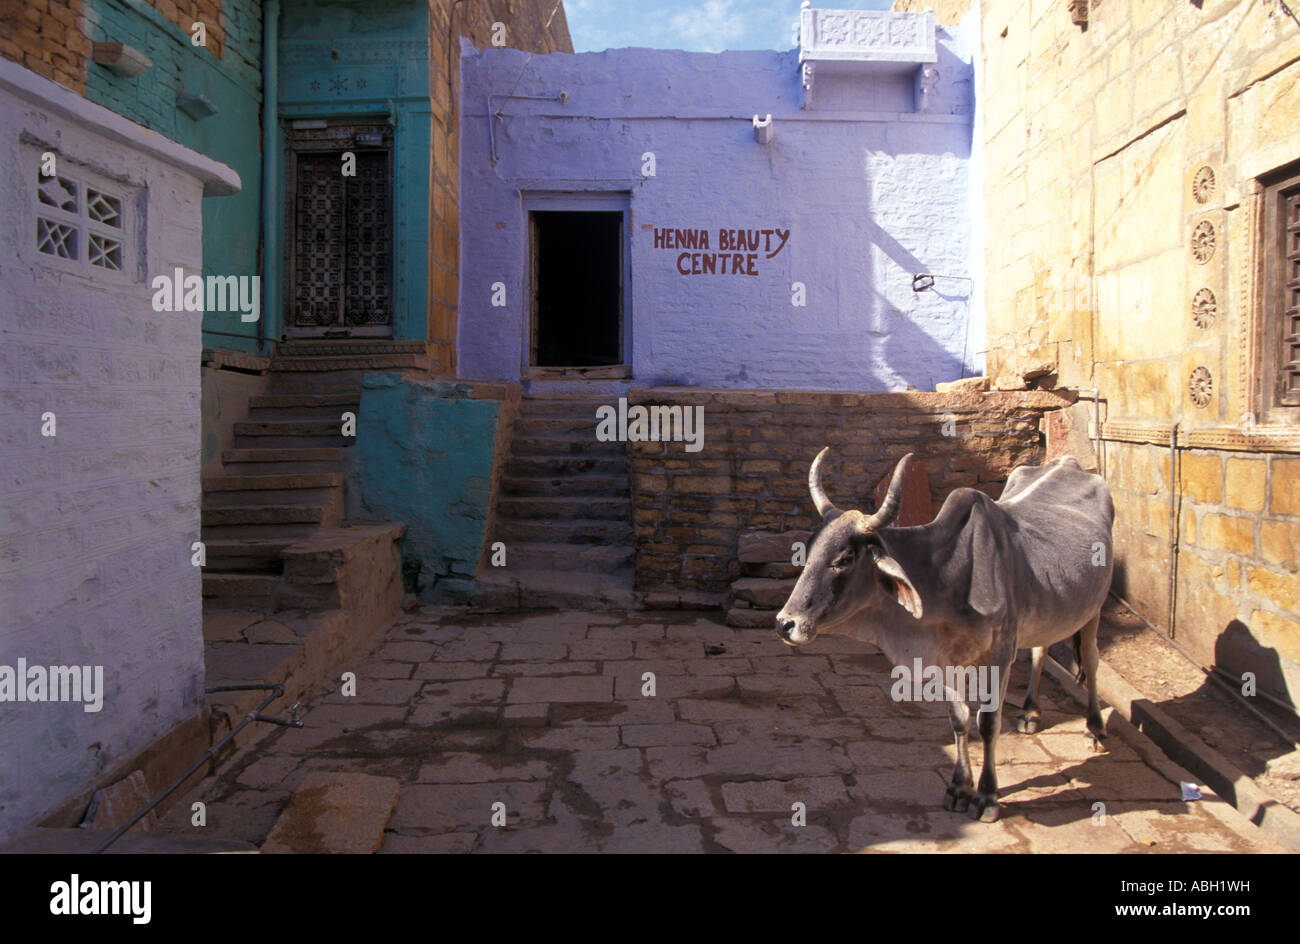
531, 733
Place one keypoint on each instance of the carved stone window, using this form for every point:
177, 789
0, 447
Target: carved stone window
1280, 286
80, 223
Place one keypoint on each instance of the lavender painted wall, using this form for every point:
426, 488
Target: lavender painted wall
96, 520
871, 192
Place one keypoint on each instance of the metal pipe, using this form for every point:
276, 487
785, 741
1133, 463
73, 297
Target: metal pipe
276, 691
1175, 511
270, 166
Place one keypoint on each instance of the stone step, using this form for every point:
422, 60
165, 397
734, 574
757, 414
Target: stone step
547, 424
263, 460
558, 444
572, 531
246, 554
265, 514
545, 588
324, 497
750, 618
335, 812
293, 401
540, 555
566, 465
299, 480
349, 363
240, 591
294, 442
564, 406
337, 383
557, 508
304, 406
612, 486
763, 592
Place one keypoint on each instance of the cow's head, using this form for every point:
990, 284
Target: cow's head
848, 569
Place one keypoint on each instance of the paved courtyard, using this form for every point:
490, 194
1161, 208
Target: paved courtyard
546, 714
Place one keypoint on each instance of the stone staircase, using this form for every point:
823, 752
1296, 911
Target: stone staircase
564, 513
288, 586
279, 499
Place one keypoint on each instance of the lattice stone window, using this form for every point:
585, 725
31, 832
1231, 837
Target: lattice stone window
1281, 287
81, 223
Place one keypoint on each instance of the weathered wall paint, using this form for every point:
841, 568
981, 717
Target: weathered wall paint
232, 82
871, 192
346, 59
98, 519
424, 456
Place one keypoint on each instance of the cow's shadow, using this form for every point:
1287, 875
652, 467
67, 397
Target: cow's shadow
1055, 792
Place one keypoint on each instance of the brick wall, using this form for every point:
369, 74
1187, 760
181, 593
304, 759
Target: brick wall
752, 472
53, 37
47, 37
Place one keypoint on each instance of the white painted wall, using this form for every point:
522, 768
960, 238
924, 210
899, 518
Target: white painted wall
872, 193
96, 522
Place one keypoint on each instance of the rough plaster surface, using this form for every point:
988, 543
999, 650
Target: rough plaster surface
424, 457
98, 519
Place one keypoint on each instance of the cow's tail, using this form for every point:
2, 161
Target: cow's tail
1080, 674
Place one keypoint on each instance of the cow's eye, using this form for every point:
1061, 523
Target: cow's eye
843, 561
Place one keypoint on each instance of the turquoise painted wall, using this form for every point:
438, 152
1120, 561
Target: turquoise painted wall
424, 456
231, 225
362, 59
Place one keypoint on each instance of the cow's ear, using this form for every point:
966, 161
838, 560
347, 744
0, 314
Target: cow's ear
902, 587
986, 594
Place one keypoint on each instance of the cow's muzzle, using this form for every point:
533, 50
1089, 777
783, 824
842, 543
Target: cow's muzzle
793, 632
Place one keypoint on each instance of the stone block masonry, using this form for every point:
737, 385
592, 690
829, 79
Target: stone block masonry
690, 509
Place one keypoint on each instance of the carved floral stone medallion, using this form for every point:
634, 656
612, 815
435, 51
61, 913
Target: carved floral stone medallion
1201, 386
1203, 241
1205, 308
1203, 185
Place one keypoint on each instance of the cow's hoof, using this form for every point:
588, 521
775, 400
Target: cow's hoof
956, 800
1096, 742
1027, 724
985, 809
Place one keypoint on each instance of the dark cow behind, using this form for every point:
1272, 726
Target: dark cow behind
965, 591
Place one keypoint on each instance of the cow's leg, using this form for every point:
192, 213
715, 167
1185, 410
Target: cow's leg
1027, 720
984, 806
1087, 656
958, 796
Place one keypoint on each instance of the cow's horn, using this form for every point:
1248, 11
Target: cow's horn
824, 504
893, 499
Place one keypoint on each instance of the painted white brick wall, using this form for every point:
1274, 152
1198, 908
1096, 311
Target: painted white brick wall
96, 522
872, 192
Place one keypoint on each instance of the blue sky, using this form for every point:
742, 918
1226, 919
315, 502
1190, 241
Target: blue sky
696, 25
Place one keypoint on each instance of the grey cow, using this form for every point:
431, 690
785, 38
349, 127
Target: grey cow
981, 580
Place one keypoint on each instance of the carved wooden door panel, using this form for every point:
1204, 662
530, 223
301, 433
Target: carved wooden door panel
340, 241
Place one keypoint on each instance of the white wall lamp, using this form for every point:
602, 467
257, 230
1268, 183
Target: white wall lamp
120, 59
763, 129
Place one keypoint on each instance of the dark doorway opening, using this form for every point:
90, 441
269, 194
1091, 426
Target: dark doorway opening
577, 289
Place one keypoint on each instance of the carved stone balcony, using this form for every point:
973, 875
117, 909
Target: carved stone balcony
863, 42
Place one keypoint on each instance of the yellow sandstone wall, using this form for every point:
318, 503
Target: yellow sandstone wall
1104, 149
536, 26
